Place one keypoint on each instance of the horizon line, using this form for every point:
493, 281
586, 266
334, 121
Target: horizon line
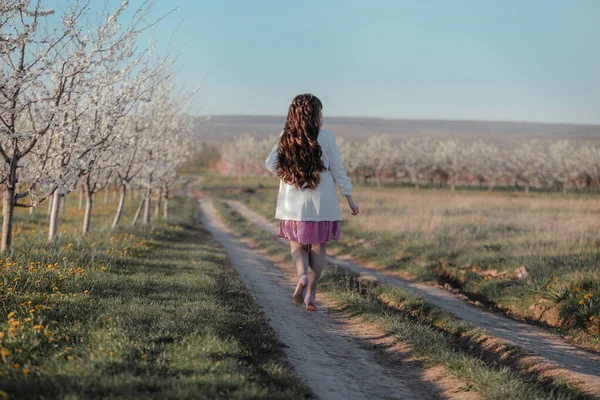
595, 124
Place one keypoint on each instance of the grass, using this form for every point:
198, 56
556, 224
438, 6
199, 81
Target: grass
435, 336
151, 312
475, 243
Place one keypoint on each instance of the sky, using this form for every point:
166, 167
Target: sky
515, 60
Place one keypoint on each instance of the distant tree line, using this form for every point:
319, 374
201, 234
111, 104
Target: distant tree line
558, 164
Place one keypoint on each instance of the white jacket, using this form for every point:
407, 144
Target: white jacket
322, 203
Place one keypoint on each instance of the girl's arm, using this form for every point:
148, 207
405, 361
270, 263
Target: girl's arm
340, 177
272, 161
337, 170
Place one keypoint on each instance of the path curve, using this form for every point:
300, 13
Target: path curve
330, 361
551, 347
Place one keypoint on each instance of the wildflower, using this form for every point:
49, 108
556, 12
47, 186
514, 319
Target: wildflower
581, 302
69, 358
17, 365
68, 349
27, 320
1, 335
592, 318
576, 289
39, 307
10, 315
26, 370
4, 352
38, 327
588, 296
473, 269
144, 356
31, 311
111, 353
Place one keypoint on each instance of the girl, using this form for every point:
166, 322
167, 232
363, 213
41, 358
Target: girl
308, 163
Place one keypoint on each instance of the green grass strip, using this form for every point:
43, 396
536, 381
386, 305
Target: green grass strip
154, 312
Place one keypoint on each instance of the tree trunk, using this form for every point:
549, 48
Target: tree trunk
166, 204
146, 219
119, 207
54, 216
490, 187
89, 205
564, 188
8, 209
452, 185
527, 187
138, 212
106, 194
158, 206
417, 186
49, 210
81, 193
32, 208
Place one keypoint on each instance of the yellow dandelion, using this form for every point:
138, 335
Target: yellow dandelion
588, 296
473, 269
26, 370
592, 318
581, 302
576, 289
31, 311
69, 358
4, 352
144, 356
111, 353
27, 320
39, 307
38, 327
10, 315
1, 335
68, 349
17, 365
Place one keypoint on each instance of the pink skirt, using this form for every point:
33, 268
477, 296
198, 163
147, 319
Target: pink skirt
310, 232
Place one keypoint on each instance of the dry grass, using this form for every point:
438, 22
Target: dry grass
475, 242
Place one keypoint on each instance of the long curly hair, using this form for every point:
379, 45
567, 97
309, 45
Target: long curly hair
299, 153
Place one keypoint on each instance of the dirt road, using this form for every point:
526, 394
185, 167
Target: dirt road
584, 366
329, 359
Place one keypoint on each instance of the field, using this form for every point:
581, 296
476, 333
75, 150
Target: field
532, 256
145, 312
431, 339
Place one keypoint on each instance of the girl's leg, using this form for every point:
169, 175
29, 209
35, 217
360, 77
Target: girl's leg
299, 258
315, 266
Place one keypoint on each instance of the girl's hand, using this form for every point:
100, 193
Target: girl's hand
353, 207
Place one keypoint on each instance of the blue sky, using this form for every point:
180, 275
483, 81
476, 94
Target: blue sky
521, 60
